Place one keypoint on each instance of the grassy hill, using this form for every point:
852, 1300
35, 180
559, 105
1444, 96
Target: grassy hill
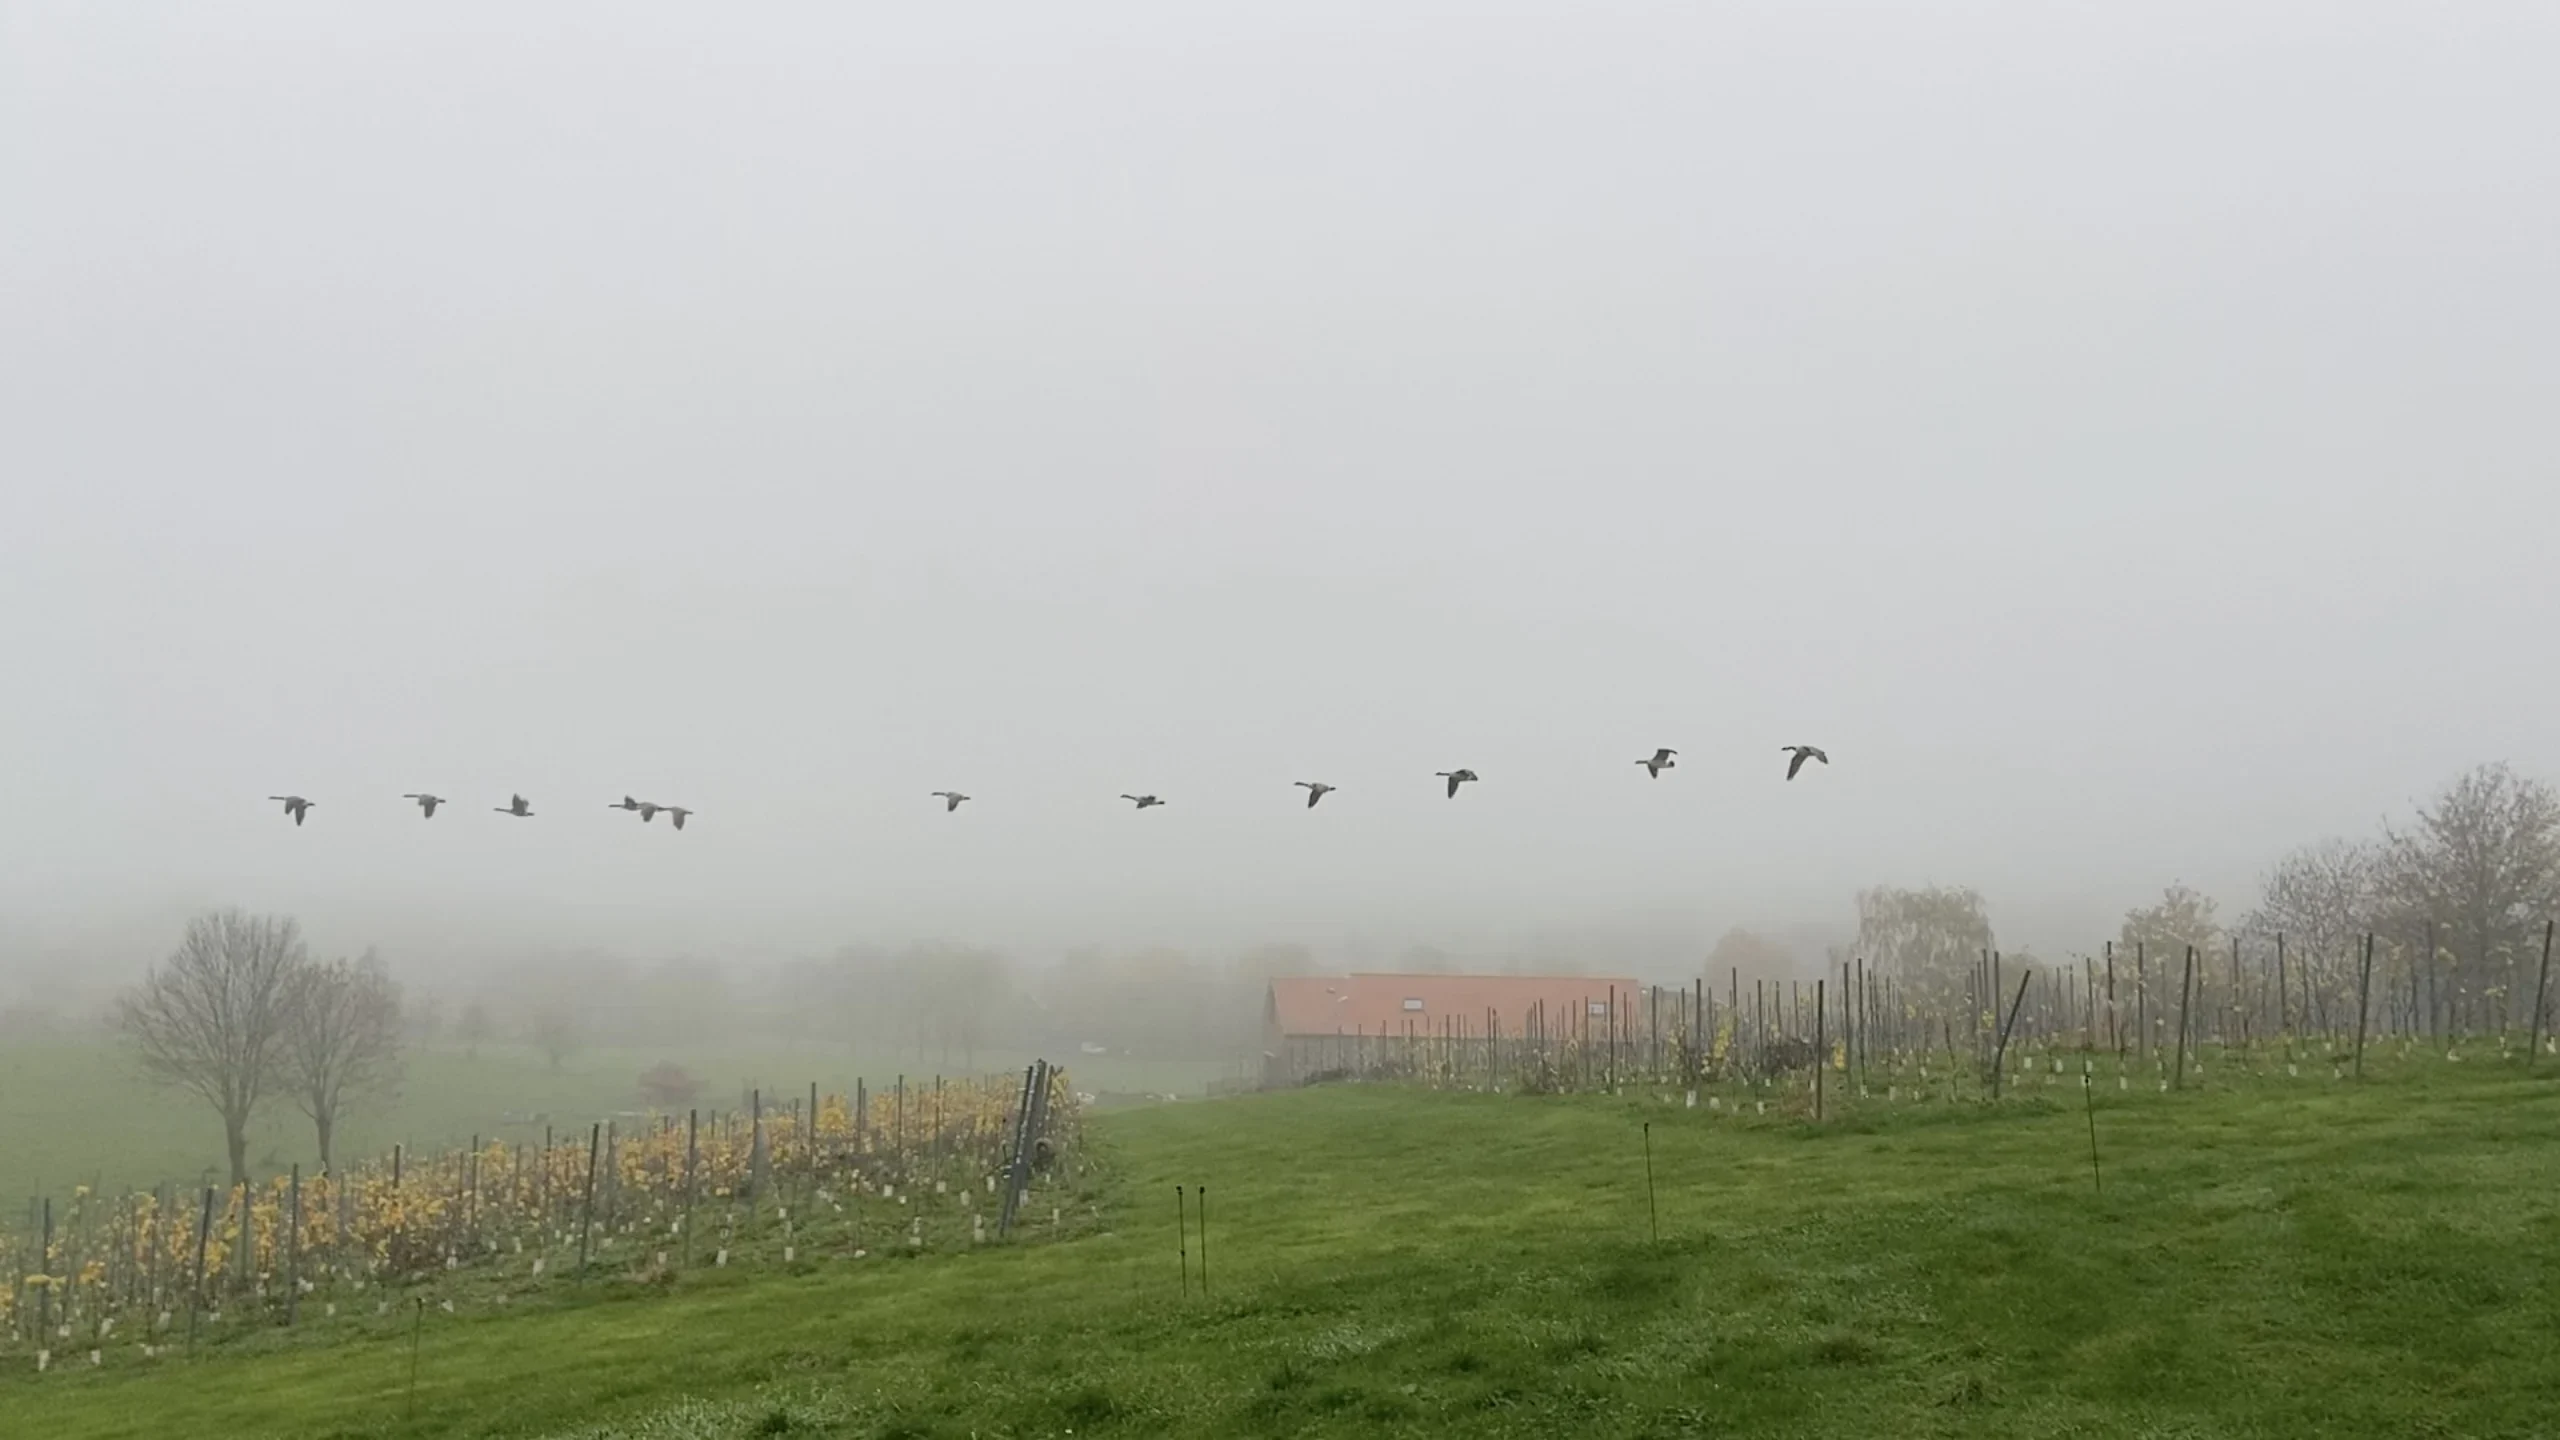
2294, 1257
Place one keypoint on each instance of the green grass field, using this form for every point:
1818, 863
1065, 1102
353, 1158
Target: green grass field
73, 1111
2292, 1258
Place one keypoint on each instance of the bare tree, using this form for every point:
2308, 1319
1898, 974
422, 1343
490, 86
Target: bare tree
555, 1033
2479, 870
344, 1040
2158, 935
472, 1029
1928, 939
2322, 899
213, 1018
1755, 955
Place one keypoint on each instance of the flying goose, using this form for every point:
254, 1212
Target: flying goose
1143, 800
625, 803
1660, 762
426, 803
1455, 778
648, 810
515, 806
1316, 790
1801, 752
294, 805
677, 813
950, 799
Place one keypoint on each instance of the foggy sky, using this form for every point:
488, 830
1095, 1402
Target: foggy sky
2123, 435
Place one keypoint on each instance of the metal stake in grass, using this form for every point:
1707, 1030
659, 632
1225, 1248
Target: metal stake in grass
2089, 1102
1652, 1214
417, 1328
1182, 1241
1200, 1193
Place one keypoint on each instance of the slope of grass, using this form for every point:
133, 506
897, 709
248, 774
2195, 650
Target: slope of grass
2294, 1258
73, 1110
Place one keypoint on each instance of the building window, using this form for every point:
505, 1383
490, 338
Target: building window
1597, 1007
1412, 1003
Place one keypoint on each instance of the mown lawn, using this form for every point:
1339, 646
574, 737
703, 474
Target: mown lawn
2290, 1258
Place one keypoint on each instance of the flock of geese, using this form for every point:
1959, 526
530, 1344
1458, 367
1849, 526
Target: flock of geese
648, 810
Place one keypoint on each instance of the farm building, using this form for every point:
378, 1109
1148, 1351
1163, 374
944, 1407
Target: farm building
1319, 1023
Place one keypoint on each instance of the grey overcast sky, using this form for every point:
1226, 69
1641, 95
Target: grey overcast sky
2123, 434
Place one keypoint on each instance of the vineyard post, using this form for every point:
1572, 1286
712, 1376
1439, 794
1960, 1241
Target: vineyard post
293, 1251
2364, 998
151, 1261
755, 1153
1182, 1241
1653, 1215
2284, 1008
2186, 998
2234, 1012
417, 1331
692, 1153
1821, 1056
587, 1213
243, 1257
2089, 1104
2141, 1002
2541, 990
44, 1268
1018, 1174
1848, 1027
195, 1292
2000, 1052
810, 1138
1999, 1036
2115, 1032
2437, 1006
1200, 1193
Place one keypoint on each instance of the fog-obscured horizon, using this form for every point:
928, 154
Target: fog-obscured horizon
2122, 439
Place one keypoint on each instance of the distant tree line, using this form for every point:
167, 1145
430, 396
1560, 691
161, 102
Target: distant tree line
2456, 897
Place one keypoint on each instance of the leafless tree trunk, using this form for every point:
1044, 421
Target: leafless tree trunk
555, 1034
344, 1040
212, 1018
